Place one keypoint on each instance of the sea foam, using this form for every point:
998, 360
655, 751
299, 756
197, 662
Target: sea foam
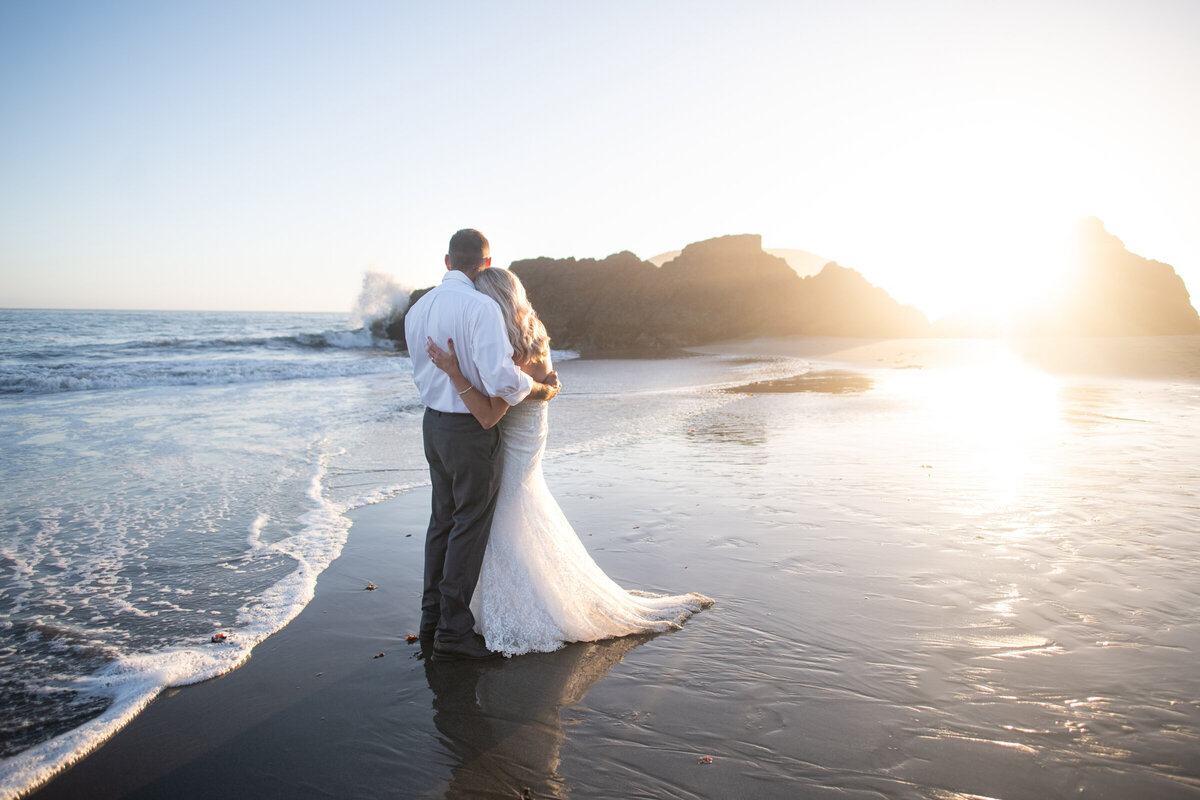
134, 680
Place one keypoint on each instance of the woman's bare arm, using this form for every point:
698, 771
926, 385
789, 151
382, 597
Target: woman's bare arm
488, 410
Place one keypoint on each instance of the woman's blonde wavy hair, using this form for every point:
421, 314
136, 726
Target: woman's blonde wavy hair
526, 332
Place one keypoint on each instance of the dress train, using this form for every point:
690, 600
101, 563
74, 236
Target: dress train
539, 588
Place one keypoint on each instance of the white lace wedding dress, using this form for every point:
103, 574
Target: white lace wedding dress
538, 587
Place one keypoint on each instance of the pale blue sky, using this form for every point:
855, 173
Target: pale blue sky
264, 155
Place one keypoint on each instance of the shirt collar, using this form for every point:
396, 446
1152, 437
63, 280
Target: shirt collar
454, 276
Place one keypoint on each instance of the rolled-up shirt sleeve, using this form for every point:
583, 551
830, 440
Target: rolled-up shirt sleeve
493, 358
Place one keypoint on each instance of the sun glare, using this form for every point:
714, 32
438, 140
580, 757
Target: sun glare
994, 415
990, 283
978, 204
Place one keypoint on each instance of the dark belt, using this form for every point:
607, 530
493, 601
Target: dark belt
437, 413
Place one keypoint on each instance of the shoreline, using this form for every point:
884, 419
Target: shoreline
333, 639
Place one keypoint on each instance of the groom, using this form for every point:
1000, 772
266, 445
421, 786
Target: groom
464, 459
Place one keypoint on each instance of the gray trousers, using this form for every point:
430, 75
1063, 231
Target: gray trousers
464, 464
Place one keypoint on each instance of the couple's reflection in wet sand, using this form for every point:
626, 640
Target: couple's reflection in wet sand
500, 721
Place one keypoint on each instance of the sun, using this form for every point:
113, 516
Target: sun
970, 209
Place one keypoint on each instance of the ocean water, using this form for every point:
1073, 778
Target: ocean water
173, 478
163, 481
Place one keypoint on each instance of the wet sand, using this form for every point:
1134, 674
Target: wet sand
926, 587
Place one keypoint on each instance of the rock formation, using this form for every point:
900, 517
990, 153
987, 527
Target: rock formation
394, 326
723, 288
840, 302
588, 304
1113, 292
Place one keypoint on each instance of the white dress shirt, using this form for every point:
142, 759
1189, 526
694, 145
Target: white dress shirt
455, 310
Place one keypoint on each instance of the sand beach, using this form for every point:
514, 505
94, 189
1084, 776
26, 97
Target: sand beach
938, 572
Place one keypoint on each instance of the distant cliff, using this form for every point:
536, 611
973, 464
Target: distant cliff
723, 288
1112, 292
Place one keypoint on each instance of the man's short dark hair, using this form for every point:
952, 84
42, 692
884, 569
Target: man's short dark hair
468, 250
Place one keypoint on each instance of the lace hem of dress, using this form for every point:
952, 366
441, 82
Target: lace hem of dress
539, 588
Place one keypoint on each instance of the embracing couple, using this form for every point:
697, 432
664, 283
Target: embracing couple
504, 571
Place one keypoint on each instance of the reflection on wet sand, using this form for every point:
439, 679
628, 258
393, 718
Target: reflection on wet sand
730, 429
832, 381
1163, 357
501, 721
1085, 406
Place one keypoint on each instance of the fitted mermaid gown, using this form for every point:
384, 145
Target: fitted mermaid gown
538, 588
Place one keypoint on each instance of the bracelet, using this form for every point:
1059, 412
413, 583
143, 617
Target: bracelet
464, 391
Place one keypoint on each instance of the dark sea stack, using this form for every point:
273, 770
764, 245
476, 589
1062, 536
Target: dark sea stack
593, 305
728, 288
722, 288
393, 326
389, 327
1113, 292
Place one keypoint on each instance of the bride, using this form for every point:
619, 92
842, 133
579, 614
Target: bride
538, 587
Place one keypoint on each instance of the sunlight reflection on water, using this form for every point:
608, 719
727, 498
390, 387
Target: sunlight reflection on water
1000, 410
980, 583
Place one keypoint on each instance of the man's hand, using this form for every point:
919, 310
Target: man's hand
547, 389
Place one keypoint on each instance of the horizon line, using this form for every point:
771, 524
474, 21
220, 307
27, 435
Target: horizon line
170, 310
